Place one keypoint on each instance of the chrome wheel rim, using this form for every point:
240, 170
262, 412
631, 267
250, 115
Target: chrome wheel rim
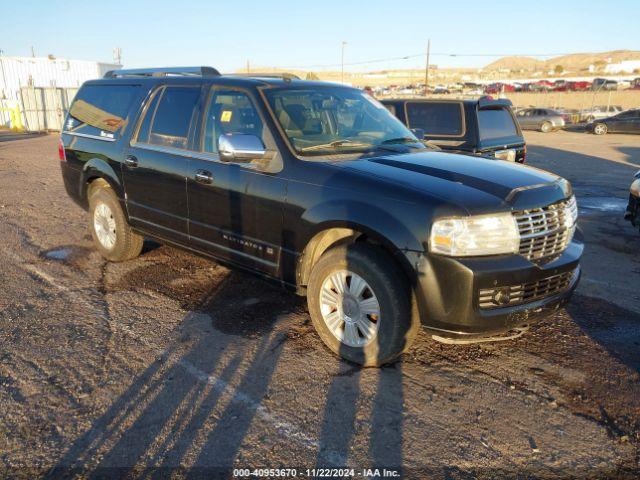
599, 129
350, 308
104, 225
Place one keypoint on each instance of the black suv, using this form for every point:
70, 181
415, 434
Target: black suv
481, 127
318, 187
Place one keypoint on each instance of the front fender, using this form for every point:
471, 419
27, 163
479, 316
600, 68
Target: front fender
379, 224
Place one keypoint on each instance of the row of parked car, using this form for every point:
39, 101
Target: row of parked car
548, 120
474, 88
563, 86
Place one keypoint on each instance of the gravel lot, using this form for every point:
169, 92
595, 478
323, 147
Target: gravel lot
171, 361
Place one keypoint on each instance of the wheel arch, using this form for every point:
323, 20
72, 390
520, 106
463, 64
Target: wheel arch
333, 234
98, 169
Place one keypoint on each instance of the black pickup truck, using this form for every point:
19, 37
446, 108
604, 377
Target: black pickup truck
483, 126
319, 188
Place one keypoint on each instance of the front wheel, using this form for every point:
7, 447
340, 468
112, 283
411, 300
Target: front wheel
361, 305
546, 127
600, 129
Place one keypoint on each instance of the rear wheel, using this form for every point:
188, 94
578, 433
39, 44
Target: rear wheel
600, 128
361, 305
109, 228
546, 127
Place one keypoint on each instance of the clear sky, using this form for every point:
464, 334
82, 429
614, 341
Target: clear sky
225, 34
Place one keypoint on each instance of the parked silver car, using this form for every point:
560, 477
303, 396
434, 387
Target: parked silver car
543, 119
601, 111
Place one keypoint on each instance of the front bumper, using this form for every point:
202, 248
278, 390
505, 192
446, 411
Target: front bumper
450, 291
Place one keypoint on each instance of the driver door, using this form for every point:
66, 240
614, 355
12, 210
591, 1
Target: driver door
235, 208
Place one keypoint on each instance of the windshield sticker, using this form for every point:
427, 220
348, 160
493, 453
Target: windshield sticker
226, 116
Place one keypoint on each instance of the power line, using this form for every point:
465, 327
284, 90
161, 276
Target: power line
438, 54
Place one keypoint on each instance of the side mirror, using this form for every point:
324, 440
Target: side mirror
240, 147
418, 132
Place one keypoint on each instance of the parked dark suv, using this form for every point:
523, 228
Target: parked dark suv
483, 126
318, 187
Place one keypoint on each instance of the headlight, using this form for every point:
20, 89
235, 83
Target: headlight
477, 235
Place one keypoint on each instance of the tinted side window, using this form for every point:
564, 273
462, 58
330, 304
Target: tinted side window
100, 110
436, 118
496, 123
172, 119
229, 111
149, 113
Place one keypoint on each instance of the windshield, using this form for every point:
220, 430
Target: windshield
330, 120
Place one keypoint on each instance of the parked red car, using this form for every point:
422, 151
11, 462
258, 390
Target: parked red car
572, 86
495, 88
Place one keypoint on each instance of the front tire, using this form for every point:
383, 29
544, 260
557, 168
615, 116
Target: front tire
361, 305
546, 127
111, 233
600, 128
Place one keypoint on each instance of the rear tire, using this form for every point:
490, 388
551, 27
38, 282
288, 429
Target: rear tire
111, 233
600, 128
374, 319
546, 127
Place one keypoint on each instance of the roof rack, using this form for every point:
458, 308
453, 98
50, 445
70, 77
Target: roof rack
283, 75
164, 72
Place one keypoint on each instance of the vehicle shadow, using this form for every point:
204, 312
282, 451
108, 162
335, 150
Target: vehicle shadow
632, 153
192, 408
153, 424
364, 400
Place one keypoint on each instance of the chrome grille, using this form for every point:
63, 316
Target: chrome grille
545, 232
508, 296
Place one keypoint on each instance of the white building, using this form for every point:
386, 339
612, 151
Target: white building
627, 66
43, 87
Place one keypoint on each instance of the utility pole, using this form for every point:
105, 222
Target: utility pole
33, 52
117, 55
426, 70
342, 63
248, 69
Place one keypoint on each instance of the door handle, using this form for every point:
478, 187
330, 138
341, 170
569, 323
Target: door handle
204, 176
131, 161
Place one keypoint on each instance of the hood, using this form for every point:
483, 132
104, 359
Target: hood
476, 184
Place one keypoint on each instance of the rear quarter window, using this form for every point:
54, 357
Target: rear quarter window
436, 118
496, 123
100, 110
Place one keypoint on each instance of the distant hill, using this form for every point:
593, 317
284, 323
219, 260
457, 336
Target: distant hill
516, 63
574, 62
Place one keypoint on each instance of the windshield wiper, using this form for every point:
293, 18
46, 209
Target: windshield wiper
400, 140
336, 144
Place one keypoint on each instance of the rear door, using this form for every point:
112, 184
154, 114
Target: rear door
156, 162
634, 126
623, 122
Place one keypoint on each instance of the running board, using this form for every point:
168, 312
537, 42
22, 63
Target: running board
466, 341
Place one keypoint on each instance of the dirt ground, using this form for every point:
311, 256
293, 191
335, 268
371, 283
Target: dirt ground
170, 362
